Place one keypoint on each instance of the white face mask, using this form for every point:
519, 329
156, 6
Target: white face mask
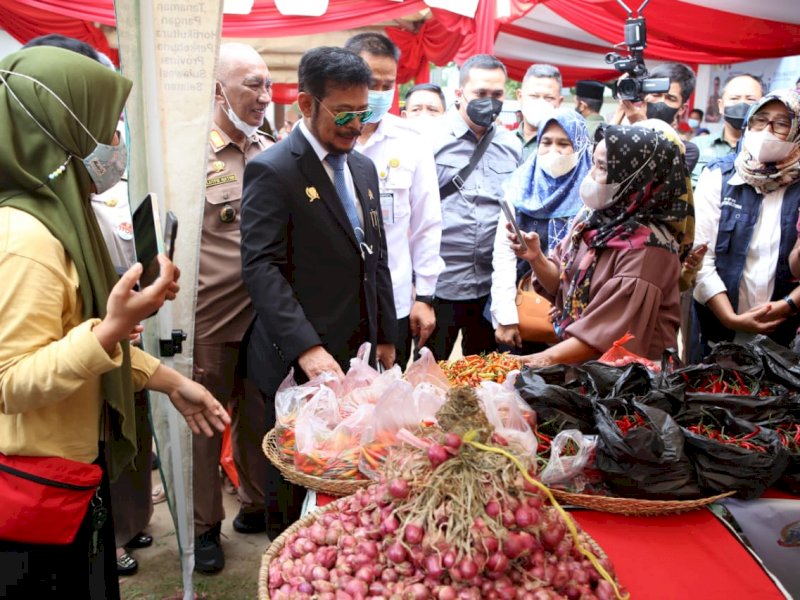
765, 147
597, 196
557, 165
536, 111
247, 129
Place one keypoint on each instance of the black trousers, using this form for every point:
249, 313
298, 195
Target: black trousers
465, 317
41, 571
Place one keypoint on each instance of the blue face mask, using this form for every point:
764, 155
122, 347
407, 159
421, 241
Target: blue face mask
379, 104
694, 123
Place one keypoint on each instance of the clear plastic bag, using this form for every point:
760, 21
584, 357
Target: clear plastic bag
426, 370
508, 413
567, 471
401, 406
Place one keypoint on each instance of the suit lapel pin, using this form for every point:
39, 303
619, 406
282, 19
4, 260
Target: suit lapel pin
312, 193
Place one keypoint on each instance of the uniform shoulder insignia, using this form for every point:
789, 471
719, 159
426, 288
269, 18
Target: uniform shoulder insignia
216, 140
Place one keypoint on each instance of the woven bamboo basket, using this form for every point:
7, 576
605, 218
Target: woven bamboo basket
277, 545
332, 487
634, 506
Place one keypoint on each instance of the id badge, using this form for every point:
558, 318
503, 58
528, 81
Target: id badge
387, 207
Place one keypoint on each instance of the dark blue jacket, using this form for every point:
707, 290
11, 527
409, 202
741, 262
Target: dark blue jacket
740, 208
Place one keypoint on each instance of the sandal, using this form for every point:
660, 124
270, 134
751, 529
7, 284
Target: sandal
126, 565
158, 494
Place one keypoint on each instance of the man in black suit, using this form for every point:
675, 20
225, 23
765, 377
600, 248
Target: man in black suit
314, 256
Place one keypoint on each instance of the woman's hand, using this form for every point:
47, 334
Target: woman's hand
533, 251
203, 413
127, 307
536, 361
760, 319
508, 335
694, 260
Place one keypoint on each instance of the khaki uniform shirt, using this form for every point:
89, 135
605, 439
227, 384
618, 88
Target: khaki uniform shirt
223, 307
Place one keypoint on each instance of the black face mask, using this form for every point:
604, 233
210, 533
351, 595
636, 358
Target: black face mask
661, 111
735, 114
483, 111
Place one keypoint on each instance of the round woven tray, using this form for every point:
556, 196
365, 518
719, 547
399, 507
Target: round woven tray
277, 545
634, 506
332, 487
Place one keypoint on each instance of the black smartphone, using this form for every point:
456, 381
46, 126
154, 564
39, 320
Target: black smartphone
170, 233
145, 235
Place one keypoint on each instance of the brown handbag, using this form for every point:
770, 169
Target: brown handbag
534, 314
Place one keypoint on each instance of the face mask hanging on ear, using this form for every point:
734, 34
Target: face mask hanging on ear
105, 164
247, 129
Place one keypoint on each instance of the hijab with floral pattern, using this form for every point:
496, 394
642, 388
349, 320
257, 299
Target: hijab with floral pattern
55, 105
650, 208
768, 177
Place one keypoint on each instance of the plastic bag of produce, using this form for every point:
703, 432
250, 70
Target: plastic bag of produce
601, 380
780, 363
789, 433
401, 406
426, 370
756, 409
328, 446
619, 356
731, 454
556, 407
640, 452
510, 416
360, 374
368, 393
571, 453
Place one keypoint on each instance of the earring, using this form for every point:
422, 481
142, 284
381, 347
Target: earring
61, 168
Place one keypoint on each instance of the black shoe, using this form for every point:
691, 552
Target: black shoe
140, 540
252, 522
126, 565
208, 555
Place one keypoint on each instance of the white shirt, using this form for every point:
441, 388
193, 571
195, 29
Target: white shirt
348, 177
412, 212
758, 279
504, 278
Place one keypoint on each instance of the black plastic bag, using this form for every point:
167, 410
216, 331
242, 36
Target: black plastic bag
725, 467
647, 461
729, 355
607, 381
761, 410
668, 399
780, 363
557, 408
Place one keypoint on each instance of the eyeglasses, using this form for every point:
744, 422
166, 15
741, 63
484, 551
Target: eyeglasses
779, 126
343, 118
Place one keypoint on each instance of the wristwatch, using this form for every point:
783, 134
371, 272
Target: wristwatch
790, 302
425, 299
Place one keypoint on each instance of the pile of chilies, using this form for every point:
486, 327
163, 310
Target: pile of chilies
746, 441
725, 382
789, 436
476, 368
408, 537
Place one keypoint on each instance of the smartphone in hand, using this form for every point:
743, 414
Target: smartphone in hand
508, 211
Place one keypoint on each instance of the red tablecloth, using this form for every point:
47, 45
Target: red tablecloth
689, 556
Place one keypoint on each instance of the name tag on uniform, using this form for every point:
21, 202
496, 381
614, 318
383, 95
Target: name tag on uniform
387, 207
220, 180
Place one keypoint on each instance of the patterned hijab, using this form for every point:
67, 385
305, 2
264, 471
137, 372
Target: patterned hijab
540, 196
41, 147
650, 208
768, 177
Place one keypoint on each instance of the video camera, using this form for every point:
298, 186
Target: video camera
637, 84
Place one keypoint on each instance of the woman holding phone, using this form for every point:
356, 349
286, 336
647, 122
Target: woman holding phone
543, 193
617, 270
67, 372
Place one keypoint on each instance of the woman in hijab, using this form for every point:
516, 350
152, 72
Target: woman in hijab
544, 194
67, 373
747, 209
617, 270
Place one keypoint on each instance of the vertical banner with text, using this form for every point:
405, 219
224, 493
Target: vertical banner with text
169, 49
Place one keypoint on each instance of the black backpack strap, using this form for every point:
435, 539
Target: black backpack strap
457, 182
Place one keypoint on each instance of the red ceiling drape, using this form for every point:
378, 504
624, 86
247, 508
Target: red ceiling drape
685, 32
569, 75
